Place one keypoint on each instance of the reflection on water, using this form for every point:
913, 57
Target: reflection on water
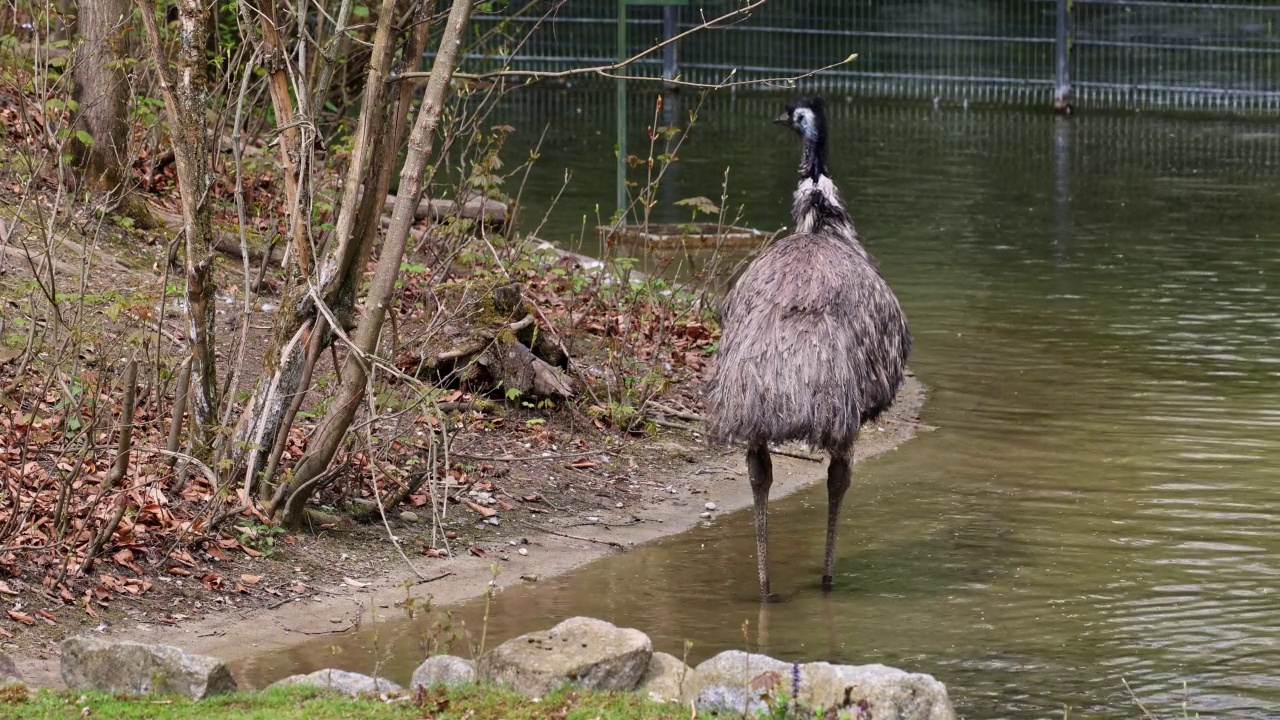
1096, 308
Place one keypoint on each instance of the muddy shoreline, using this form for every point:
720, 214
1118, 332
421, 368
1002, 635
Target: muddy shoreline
366, 586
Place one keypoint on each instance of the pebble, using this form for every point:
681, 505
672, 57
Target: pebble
710, 506
705, 515
592, 518
493, 521
451, 535
523, 551
618, 504
529, 578
409, 516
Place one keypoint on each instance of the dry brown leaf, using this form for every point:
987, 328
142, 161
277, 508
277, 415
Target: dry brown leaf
478, 552
179, 571
250, 579
250, 551
482, 510
355, 583
21, 617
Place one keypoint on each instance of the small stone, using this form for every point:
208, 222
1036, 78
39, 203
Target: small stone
523, 551
493, 521
8, 671
451, 535
443, 670
618, 504
666, 677
409, 516
347, 683
587, 653
710, 506
119, 666
529, 578
593, 518
704, 515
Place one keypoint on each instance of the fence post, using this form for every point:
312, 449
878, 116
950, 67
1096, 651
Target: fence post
670, 66
1065, 36
621, 112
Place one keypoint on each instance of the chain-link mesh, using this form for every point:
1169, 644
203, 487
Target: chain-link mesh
1175, 54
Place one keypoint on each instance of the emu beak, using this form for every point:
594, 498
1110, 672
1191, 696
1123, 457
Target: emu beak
782, 119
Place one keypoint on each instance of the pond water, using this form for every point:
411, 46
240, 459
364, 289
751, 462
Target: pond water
1096, 307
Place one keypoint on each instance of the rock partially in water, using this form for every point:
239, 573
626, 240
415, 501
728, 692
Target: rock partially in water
347, 683
120, 666
734, 680
8, 671
443, 670
583, 652
665, 677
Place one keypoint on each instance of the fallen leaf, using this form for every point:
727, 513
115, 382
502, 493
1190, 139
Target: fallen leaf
250, 579
241, 589
482, 510
21, 617
250, 551
432, 552
506, 505
583, 463
179, 571
476, 551
299, 588
48, 616
6, 590
355, 583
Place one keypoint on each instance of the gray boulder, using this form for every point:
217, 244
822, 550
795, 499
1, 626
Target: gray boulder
580, 651
733, 681
8, 671
129, 667
665, 678
347, 683
443, 670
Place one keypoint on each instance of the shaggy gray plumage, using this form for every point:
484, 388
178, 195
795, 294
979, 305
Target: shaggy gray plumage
814, 341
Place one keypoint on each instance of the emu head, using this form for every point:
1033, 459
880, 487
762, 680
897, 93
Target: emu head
808, 117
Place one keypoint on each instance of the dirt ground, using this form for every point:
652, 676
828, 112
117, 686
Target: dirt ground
316, 584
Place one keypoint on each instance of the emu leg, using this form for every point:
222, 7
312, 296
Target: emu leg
838, 479
760, 469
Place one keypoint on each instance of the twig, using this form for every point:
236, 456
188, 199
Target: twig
678, 414
118, 470
799, 456
441, 576
179, 410
549, 531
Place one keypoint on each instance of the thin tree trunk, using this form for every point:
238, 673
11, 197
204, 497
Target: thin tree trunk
102, 93
186, 98
342, 410
277, 396
273, 51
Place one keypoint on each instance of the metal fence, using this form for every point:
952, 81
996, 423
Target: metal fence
1131, 54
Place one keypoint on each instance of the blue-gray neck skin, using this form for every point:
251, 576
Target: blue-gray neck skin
817, 207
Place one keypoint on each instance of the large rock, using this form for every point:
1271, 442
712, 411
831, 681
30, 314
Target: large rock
734, 680
347, 683
129, 667
443, 670
584, 652
665, 678
8, 671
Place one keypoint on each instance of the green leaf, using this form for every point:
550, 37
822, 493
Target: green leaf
84, 137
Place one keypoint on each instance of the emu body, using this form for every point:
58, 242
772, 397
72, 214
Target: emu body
814, 342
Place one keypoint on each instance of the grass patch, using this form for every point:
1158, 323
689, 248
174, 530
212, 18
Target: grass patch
303, 703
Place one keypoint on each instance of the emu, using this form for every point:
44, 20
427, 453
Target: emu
814, 342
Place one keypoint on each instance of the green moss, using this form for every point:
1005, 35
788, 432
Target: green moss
303, 703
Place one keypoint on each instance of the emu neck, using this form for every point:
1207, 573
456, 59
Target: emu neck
813, 160
818, 209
